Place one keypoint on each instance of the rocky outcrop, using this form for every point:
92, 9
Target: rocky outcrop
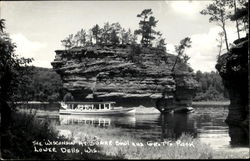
127, 74
233, 68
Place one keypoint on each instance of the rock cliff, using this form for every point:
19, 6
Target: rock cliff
127, 74
233, 68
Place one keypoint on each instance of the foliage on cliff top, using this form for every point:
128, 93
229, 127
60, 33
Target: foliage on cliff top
115, 34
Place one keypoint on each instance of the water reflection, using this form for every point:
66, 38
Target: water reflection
157, 126
174, 125
207, 124
101, 121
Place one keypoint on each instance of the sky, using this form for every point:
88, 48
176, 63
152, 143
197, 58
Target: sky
37, 27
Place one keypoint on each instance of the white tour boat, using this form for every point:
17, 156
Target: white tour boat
94, 108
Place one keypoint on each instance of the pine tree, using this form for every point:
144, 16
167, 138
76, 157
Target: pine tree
96, 32
146, 25
218, 12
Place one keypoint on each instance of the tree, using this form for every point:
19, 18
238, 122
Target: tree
124, 36
127, 37
114, 39
90, 37
218, 12
237, 24
185, 58
116, 26
106, 32
180, 49
161, 43
68, 42
146, 26
241, 14
76, 38
12, 69
96, 33
80, 38
220, 40
115, 30
2, 25
198, 75
133, 39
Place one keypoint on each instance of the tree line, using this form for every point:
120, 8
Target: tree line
114, 33
108, 34
43, 84
211, 87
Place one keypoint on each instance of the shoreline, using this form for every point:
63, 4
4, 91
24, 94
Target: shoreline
140, 110
226, 102
148, 149
218, 103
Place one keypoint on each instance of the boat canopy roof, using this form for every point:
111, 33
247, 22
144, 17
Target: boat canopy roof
89, 103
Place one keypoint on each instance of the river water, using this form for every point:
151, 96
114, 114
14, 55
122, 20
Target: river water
206, 123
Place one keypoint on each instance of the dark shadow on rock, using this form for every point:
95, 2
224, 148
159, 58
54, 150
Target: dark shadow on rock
239, 136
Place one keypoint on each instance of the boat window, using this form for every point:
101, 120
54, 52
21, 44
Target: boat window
106, 123
107, 106
80, 107
96, 106
88, 121
102, 106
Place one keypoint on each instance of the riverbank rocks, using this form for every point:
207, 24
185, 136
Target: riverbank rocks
128, 74
233, 68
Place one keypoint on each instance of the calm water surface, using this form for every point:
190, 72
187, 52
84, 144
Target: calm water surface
207, 124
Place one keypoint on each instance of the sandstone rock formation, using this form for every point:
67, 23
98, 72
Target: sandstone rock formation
233, 68
127, 74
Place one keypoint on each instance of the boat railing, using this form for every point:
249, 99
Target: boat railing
87, 105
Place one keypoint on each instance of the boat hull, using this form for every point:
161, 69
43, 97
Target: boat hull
129, 111
184, 110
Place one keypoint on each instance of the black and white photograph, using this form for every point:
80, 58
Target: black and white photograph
124, 79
